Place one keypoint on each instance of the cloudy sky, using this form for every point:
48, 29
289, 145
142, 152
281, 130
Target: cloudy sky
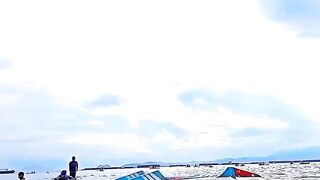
114, 82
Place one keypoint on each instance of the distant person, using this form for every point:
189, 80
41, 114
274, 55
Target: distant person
63, 176
73, 167
21, 175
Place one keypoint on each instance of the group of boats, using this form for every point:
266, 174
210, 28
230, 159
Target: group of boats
230, 172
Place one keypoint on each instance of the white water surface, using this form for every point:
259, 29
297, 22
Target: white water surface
272, 171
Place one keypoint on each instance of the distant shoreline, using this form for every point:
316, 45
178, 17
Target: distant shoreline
195, 164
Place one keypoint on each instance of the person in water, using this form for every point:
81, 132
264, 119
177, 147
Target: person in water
21, 175
63, 176
73, 167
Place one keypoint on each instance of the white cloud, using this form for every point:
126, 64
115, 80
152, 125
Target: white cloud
8, 98
147, 53
97, 123
128, 142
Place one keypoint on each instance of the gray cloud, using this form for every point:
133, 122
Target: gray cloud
33, 125
239, 102
300, 126
34, 110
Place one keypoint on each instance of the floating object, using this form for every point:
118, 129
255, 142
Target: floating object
6, 171
148, 165
235, 172
155, 175
132, 176
32, 172
239, 164
305, 162
263, 163
154, 167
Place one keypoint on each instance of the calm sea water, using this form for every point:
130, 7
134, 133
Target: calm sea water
272, 171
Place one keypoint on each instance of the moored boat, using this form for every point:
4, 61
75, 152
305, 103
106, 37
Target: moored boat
6, 171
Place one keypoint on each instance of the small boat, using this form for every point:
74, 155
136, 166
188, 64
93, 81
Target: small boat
263, 163
6, 171
305, 162
32, 172
154, 167
239, 164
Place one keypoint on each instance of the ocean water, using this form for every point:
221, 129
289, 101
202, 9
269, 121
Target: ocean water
272, 171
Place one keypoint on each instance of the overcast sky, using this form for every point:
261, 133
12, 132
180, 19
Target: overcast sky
114, 82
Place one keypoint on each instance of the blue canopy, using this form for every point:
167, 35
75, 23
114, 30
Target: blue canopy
131, 176
155, 175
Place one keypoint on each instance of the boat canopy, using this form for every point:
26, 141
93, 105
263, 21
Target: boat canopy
235, 172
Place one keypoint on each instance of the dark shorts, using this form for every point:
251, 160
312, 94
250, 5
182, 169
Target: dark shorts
73, 174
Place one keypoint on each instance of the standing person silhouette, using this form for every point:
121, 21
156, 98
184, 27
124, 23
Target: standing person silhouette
73, 167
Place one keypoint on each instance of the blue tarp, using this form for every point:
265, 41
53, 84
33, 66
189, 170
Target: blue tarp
156, 175
229, 172
131, 176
